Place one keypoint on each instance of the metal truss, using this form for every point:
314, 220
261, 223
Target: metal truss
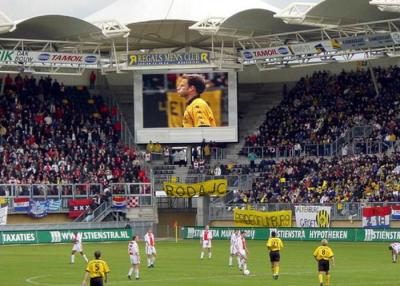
387, 5
6, 24
112, 29
296, 13
321, 34
27, 45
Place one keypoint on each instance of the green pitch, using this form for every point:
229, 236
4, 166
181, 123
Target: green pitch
361, 264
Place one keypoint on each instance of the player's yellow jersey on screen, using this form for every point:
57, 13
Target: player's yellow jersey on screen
323, 252
274, 244
97, 268
198, 114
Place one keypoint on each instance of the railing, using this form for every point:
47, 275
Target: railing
339, 211
347, 144
320, 150
143, 192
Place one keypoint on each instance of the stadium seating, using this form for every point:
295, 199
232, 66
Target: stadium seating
51, 134
322, 107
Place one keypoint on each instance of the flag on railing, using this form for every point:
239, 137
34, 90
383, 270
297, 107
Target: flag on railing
54, 205
119, 202
21, 204
133, 202
395, 212
77, 207
376, 217
38, 208
3, 215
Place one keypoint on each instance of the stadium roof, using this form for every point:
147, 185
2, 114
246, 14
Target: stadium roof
165, 24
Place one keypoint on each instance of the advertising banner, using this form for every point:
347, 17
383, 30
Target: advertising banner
54, 236
257, 233
210, 188
313, 47
148, 59
19, 57
376, 217
313, 216
300, 234
262, 219
265, 53
366, 41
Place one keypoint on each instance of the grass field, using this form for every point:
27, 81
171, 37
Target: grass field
179, 264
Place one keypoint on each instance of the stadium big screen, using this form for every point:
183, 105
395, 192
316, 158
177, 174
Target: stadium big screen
160, 109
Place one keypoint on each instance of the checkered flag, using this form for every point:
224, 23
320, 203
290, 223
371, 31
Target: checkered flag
133, 202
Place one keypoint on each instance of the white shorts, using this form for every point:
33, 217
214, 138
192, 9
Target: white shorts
77, 247
150, 250
206, 243
242, 253
134, 259
233, 250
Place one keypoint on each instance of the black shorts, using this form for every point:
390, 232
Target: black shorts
274, 256
323, 265
98, 281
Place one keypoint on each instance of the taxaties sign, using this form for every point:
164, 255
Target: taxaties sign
149, 59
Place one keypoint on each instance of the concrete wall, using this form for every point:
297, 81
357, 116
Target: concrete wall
25, 219
167, 217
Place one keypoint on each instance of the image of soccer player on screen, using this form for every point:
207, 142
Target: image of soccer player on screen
197, 112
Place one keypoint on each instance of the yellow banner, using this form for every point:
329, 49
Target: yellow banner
176, 106
262, 219
210, 188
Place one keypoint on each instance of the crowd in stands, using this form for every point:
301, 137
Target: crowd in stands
52, 134
366, 178
321, 107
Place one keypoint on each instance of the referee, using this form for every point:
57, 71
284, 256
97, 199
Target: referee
97, 269
323, 254
274, 245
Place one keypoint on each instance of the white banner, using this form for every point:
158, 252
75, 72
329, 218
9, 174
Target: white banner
313, 216
265, 53
28, 57
312, 48
3, 215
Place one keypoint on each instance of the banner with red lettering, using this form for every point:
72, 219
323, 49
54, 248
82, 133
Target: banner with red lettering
376, 217
77, 207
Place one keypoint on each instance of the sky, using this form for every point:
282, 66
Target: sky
22, 9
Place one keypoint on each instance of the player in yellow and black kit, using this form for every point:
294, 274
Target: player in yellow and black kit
197, 112
97, 269
274, 245
323, 254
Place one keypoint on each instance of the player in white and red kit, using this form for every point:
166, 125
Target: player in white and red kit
242, 250
77, 247
395, 248
232, 249
205, 241
134, 256
150, 248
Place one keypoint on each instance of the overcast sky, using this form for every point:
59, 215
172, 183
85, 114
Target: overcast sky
22, 9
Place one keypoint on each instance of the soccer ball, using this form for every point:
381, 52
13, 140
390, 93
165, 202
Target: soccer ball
246, 272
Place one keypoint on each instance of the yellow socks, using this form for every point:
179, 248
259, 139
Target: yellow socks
320, 278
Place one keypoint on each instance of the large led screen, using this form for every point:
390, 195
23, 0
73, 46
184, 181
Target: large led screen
178, 107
